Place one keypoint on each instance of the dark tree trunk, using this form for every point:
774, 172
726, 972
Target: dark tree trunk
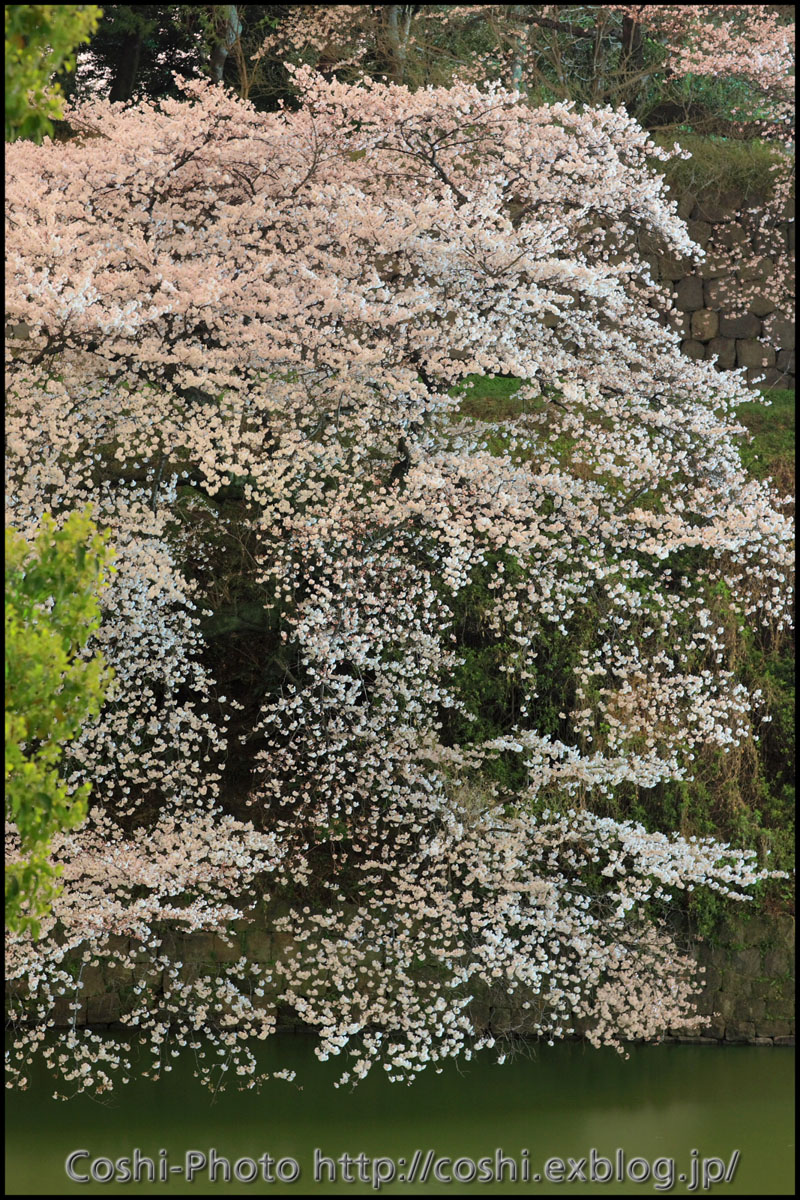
632, 47
127, 67
228, 30
395, 22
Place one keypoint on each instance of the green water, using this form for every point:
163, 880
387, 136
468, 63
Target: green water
664, 1102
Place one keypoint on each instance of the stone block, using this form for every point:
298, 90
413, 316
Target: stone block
706, 1000
117, 945
747, 326
783, 1041
689, 294
63, 1014
93, 980
779, 994
740, 1031
208, 947
752, 353
725, 350
773, 377
501, 1021
762, 306
649, 242
102, 1009
287, 1021
527, 1022
705, 324
716, 264
787, 991
717, 209
275, 911
784, 361
769, 240
284, 946
760, 1041
735, 983
712, 978
17, 990
774, 1029
784, 928
582, 1025
265, 1005
693, 349
731, 235
672, 268
780, 332
731, 202
726, 1004
189, 972
749, 1008
761, 269
138, 952
259, 946
119, 976
748, 962
752, 930
718, 293
699, 232
714, 1029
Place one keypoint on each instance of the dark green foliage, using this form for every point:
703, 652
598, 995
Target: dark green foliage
744, 797
138, 47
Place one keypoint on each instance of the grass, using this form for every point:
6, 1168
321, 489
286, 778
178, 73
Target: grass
492, 398
718, 165
771, 452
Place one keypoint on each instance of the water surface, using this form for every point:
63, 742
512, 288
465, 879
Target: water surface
683, 1103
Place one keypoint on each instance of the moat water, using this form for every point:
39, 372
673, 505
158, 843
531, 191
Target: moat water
664, 1111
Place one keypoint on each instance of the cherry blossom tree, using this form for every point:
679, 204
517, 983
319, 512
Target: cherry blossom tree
657, 60
631, 54
248, 339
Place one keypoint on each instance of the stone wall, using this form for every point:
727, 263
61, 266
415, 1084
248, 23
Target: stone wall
748, 994
748, 988
761, 339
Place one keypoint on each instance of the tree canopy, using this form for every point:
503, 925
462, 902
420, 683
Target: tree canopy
41, 39
250, 339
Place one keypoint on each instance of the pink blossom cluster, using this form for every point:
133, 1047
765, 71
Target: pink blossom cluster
749, 41
214, 299
753, 43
